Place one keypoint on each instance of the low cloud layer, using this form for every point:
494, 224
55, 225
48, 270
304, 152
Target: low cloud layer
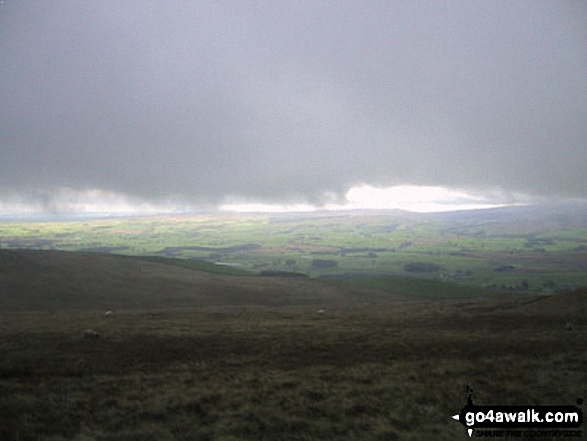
292, 102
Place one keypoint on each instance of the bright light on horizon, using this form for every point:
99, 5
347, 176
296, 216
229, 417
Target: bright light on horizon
421, 199
244, 207
415, 198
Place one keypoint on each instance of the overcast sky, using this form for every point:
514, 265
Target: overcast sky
291, 101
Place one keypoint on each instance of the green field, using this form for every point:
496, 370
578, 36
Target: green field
487, 249
194, 354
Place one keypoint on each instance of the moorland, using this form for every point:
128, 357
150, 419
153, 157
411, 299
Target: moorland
215, 336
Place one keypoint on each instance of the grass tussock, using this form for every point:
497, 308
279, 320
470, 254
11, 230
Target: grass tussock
393, 373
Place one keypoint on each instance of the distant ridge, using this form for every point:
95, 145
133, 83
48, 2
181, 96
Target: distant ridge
566, 213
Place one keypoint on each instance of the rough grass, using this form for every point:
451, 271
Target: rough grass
386, 373
201, 265
57, 280
421, 288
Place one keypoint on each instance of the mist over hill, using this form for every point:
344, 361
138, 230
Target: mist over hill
562, 215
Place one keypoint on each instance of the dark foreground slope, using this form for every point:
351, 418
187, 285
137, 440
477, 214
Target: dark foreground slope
390, 371
387, 373
57, 280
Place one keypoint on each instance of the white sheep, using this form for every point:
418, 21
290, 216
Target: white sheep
90, 334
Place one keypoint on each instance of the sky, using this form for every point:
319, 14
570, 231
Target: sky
294, 105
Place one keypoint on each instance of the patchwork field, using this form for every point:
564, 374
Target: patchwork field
519, 249
195, 355
356, 326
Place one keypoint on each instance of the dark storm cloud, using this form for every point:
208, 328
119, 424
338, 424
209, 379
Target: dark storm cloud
280, 100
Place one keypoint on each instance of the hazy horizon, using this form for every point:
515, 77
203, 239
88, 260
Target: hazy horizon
260, 105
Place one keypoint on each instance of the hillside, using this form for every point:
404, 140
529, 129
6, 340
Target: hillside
57, 280
569, 304
177, 361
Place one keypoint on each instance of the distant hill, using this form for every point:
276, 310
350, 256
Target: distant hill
528, 218
55, 280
